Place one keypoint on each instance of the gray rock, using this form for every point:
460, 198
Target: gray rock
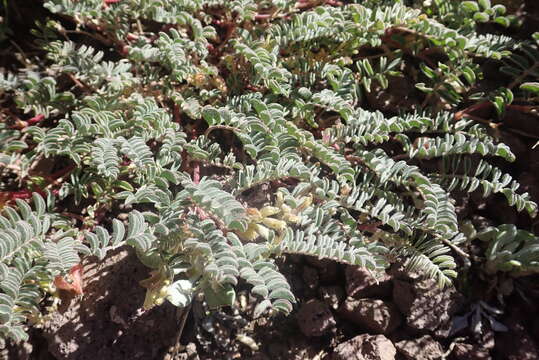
365, 347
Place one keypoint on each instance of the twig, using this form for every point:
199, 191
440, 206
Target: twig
96, 36
455, 248
460, 114
400, 157
498, 126
26, 61
184, 315
74, 216
80, 84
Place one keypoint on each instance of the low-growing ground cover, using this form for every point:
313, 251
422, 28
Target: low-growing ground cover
178, 176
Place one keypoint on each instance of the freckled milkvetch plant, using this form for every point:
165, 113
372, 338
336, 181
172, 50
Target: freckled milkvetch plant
159, 124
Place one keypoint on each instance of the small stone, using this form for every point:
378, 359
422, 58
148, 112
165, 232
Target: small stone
365, 347
424, 348
315, 318
361, 283
373, 315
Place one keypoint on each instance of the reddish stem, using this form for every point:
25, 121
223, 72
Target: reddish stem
334, 3
21, 194
262, 16
370, 227
36, 119
459, 115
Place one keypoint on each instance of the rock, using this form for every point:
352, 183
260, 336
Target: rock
424, 348
463, 351
373, 315
289, 348
315, 318
365, 347
403, 295
327, 269
332, 296
399, 272
311, 278
191, 351
425, 305
444, 330
361, 283
23, 350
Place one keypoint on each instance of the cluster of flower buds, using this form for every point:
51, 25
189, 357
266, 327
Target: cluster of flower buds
275, 218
